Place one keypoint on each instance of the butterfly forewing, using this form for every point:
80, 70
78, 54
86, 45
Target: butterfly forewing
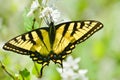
70, 33
42, 42
36, 40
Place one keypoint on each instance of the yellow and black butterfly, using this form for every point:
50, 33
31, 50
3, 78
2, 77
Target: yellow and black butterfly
53, 42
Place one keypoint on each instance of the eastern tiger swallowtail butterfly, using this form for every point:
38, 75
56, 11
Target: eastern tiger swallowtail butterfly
53, 42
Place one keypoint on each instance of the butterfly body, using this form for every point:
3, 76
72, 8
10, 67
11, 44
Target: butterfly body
53, 42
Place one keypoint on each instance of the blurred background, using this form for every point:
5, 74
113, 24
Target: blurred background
100, 54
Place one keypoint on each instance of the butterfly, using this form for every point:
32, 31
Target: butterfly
54, 42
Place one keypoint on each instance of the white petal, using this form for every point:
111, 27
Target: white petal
82, 72
34, 6
55, 15
46, 12
77, 60
30, 13
75, 67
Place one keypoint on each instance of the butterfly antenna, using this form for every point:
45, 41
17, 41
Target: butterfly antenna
48, 19
51, 19
41, 71
61, 65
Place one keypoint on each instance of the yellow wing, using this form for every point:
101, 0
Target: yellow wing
35, 41
70, 33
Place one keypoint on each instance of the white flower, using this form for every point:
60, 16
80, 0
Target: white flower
34, 6
50, 13
48, 2
72, 63
55, 15
46, 11
68, 74
71, 70
81, 74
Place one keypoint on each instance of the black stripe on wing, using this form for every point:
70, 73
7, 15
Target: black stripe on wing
68, 49
97, 27
13, 48
74, 28
18, 44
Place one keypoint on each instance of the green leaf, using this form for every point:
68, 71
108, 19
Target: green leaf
28, 22
25, 74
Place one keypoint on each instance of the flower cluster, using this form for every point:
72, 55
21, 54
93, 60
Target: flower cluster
44, 11
71, 70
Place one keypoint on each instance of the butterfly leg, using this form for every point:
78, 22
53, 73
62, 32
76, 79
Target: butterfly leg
57, 59
43, 65
41, 71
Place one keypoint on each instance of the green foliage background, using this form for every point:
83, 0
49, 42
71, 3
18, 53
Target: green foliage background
100, 54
